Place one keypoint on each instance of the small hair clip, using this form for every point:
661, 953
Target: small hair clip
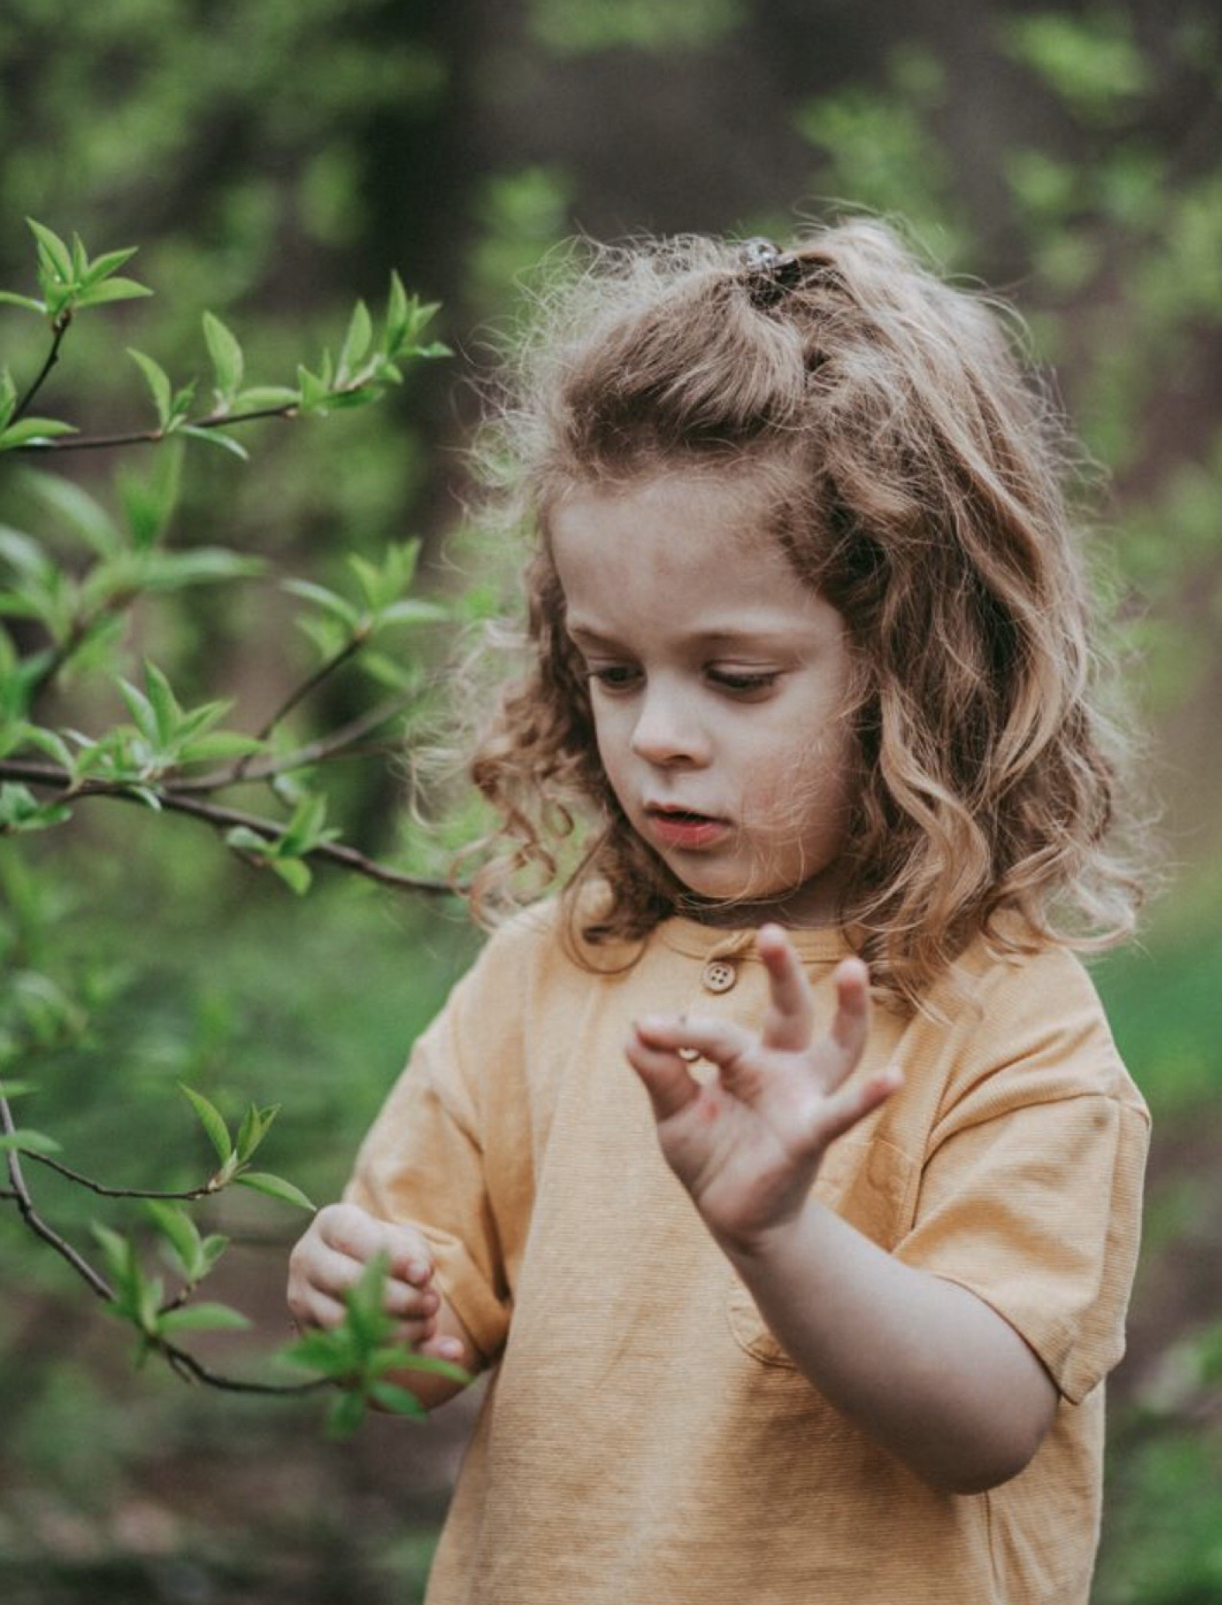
769, 270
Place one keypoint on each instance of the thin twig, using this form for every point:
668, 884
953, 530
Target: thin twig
58, 330
338, 741
208, 1190
154, 437
199, 1372
301, 692
34, 1220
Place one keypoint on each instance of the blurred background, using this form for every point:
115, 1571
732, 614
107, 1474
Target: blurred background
273, 161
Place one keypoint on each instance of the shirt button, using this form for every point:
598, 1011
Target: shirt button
718, 975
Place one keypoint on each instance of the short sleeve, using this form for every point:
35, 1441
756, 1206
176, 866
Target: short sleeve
1032, 1200
423, 1162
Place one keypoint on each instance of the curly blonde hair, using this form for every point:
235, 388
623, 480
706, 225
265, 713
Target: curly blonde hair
916, 480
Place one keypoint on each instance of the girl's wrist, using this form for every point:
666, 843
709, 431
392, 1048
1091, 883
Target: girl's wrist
769, 1242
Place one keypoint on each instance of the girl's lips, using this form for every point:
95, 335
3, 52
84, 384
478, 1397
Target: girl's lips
678, 828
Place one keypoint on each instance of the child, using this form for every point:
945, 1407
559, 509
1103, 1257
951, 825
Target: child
815, 1306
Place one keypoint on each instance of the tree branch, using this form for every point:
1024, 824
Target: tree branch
221, 818
184, 1364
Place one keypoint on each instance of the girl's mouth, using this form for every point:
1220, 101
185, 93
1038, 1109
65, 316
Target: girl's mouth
680, 827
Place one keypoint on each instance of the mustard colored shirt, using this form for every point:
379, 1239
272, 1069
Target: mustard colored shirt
643, 1439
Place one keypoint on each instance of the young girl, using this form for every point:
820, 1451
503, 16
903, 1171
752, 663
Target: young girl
782, 1171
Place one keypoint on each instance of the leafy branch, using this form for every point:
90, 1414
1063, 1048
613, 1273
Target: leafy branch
359, 1355
68, 604
70, 281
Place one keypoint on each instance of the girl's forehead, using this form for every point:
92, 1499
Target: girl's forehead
737, 501
675, 554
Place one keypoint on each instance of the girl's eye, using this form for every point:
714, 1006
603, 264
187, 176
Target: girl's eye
614, 676
742, 682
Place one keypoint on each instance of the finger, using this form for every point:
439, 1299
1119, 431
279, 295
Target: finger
408, 1302
669, 1083
789, 1023
851, 1023
723, 1043
439, 1347
846, 1108
310, 1307
355, 1233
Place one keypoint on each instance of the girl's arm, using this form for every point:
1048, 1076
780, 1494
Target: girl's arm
927, 1368
329, 1260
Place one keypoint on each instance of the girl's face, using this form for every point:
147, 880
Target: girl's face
720, 688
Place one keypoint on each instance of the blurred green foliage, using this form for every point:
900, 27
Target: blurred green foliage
272, 161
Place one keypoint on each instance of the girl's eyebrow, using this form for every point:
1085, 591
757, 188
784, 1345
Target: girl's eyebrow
763, 635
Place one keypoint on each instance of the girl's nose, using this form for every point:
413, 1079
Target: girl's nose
668, 731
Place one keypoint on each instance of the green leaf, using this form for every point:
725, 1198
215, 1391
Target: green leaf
397, 1400
167, 713
83, 512
370, 578
201, 1318
314, 391
141, 710
218, 745
48, 741
396, 315
210, 1119
325, 599
244, 840
256, 1123
30, 430
109, 262
21, 812
260, 1181
112, 290
158, 382
356, 342
298, 877
329, 1353
206, 565
150, 496
227, 359
217, 437
347, 1412
413, 611
180, 1233
26, 1141
9, 298
305, 828
265, 397
52, 250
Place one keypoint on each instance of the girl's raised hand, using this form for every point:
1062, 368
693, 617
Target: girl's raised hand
747, 1144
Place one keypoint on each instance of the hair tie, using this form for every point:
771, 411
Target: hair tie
768, 271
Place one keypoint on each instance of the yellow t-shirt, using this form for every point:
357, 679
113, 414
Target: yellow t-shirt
644, 1440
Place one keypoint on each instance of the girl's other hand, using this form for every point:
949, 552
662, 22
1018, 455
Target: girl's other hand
747, 1144
330, 1258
